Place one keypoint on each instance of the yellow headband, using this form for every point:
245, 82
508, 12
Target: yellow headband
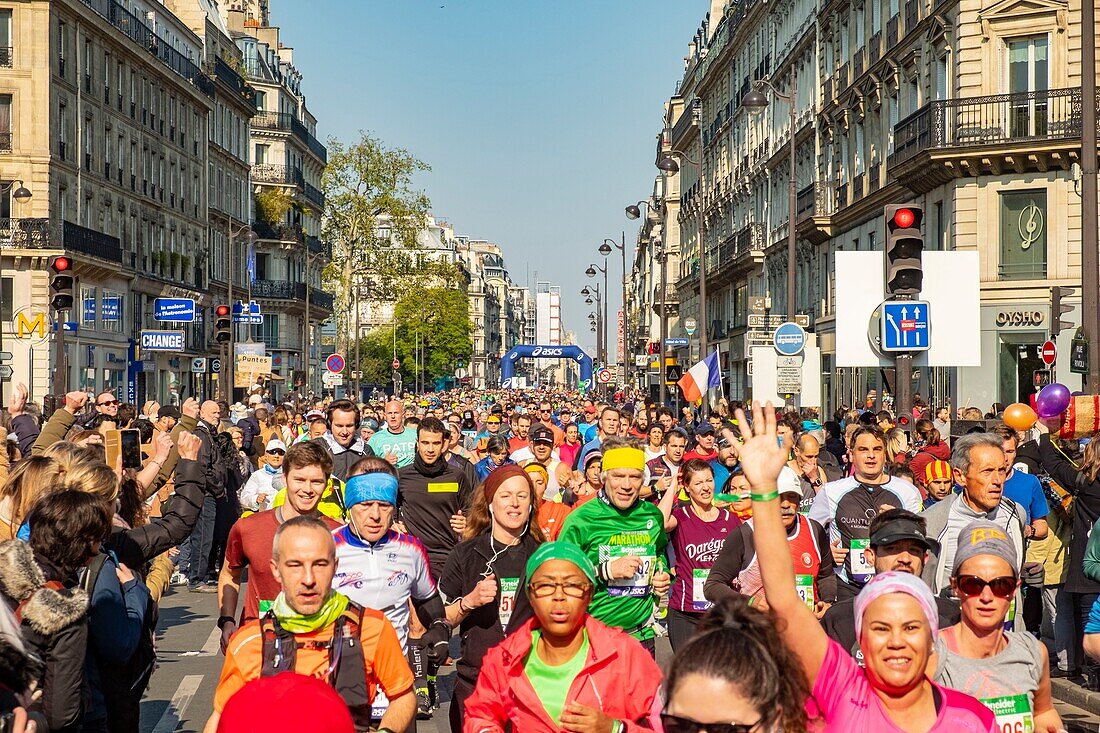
533, 467
624, 458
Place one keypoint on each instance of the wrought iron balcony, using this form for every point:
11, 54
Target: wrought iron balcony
226, 74
267, 173
1001, 119
290, 123
28, 234
814, 200
284, 290
277, 232
5, 142
315, 195
90, 242
6, 57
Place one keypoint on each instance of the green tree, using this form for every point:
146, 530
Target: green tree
436, 318
363, 181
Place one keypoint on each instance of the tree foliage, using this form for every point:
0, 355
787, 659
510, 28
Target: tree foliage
436, 318
363, 181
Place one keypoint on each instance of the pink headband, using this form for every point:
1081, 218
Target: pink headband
894, 582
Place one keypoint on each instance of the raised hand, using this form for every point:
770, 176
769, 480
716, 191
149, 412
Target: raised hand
190, 408
75, 401
762, 457
188, 446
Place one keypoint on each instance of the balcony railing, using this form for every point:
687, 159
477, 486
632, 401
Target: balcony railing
5, 142
28, 234
318, 247
267, 173
1053, 114
135, 28
229, 76
90, 242
314, 194
1022, 270
6, 57
290, 123
814, 200
283, 290
690, 116
279, 232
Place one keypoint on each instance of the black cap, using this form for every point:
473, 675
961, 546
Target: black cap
902, 528
704, 428
169, 411
541, 434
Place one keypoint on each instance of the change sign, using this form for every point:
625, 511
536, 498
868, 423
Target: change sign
162, 340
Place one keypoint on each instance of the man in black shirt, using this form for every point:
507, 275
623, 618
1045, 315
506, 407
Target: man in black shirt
898, 542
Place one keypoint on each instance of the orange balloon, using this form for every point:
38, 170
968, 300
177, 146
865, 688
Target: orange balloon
1019, 416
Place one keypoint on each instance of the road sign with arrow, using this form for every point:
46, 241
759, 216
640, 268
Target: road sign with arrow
905, 325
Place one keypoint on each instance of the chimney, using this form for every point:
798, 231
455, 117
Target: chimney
717, 8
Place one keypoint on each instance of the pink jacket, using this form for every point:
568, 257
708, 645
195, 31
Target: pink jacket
620, 679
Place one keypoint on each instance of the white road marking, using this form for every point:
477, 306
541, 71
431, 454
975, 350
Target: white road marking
213, 643
176, 709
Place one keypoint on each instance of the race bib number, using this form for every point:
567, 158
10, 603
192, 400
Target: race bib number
1013, 713
857, 561
804, 585
699, 601
639, 584
508, 588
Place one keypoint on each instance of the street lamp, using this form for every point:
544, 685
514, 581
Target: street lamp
605, 250
755, 102
228, 365
591, 272
669, 165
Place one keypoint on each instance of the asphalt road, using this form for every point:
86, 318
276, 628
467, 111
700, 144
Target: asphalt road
181, 695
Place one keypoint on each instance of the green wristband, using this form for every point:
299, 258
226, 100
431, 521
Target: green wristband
773, 494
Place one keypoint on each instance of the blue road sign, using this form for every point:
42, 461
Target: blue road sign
789, 339
240, 309
255, 319
179, 310
905, 325
676, 342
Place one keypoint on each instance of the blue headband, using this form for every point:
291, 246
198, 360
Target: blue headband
370, 487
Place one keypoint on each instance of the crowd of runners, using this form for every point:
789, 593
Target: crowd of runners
810, 574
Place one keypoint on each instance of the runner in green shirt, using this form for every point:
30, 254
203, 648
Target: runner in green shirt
625, 538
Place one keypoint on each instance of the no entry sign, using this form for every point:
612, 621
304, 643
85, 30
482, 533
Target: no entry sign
1049, 352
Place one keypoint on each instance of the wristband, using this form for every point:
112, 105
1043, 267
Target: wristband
462, 605
773, 494
223, 620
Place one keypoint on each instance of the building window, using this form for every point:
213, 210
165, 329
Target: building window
7, 285
261, 154
5, 123
1028, 72
88, 307
5, 39
111, 311
1024, 235
62, 48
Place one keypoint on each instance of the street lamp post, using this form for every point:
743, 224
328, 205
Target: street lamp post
228, 365
605, 250
662, 258
669, 165
591, 272
756, 102
595, 316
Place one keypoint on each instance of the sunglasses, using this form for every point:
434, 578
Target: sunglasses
492, 422
676, 724
105, 404
972, 585
276, 452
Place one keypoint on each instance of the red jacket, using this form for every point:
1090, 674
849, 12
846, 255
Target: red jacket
621, 679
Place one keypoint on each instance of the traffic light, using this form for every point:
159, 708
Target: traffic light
61, 283
223, 324
904, 244
1058, 308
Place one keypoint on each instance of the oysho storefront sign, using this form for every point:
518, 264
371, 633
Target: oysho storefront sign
1022, 318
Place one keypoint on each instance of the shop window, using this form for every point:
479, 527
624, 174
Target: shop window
88, 307
1023, 235
111, 311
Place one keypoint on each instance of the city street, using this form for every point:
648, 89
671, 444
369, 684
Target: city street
180, 697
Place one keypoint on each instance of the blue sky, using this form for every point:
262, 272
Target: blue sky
538, 117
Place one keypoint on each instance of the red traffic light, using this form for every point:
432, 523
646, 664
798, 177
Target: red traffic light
61, 264
904, 218
221, 311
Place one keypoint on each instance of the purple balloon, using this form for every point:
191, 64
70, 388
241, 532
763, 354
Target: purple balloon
1052, 400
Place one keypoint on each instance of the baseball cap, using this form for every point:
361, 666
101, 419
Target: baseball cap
982, 537
314, 415
169, 411
788, 482
590, 410
255, 399
370, 424
902, 528
704, 428
275, 444
541, 434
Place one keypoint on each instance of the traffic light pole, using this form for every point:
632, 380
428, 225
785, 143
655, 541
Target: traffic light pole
903, 386
61, 376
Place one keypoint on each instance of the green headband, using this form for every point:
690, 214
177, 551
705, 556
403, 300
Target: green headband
561, 551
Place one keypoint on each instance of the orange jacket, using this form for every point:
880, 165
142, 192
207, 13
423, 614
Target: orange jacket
620, 678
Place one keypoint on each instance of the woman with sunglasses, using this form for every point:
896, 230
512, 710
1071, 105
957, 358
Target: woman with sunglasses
895, 622
484, 572
563, 669
1007, 670
735, 676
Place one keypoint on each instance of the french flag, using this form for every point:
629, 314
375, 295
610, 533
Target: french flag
701, 378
